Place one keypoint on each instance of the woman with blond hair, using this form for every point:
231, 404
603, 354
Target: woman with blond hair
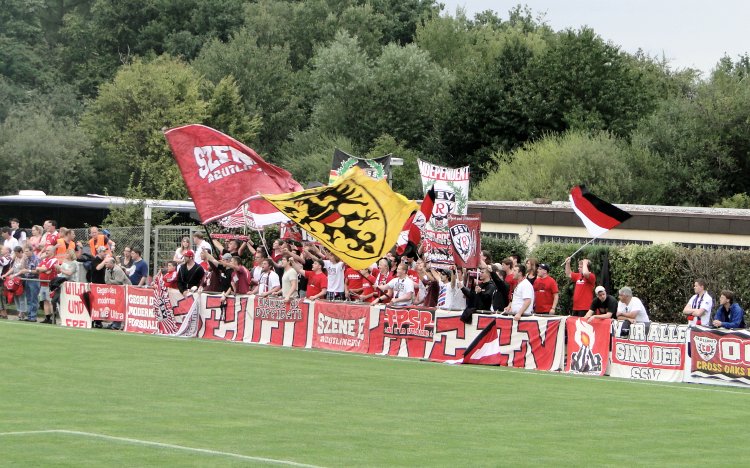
35, 239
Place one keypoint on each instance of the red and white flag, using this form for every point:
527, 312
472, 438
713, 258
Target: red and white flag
222, 174
485, 349
465, 236
412, 231
597, 215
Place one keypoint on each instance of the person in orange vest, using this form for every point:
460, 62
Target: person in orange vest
65, 243
97, 239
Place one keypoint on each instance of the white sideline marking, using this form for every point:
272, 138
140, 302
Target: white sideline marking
160, 444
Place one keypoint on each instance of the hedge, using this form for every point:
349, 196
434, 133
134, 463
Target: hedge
661, 275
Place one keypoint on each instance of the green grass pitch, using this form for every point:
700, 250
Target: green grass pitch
133, 400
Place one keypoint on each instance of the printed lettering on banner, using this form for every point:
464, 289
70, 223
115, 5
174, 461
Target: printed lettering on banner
588, 346
140, 316
280, 323
452, 336
532, 342
108, 302
410, 323
223, 319
655, 351
341, 326
73, 311
720, 356
451, 197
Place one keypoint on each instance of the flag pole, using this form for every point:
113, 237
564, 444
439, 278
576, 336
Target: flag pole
579, 249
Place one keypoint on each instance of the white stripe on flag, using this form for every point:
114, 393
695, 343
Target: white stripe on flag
594, 229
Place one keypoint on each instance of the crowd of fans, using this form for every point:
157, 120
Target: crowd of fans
34, 264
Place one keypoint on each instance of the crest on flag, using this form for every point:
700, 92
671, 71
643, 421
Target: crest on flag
706, 347
377, 168
464, 233
357, 218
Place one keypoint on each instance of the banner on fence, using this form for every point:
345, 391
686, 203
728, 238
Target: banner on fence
532, 342
73, 310
107, 302
588, 346
719, 355
280, 323
411, 323
140, 316
655, 351
341, 326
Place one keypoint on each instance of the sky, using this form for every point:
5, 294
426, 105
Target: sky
688, 33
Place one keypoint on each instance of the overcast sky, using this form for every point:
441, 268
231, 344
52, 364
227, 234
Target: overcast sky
689, 33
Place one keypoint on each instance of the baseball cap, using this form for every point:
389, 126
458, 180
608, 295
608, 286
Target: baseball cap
599, 289
101, 248
188, 253
543, 266
227, 256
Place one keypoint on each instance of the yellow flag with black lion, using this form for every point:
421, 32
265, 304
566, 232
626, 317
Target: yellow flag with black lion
357, 218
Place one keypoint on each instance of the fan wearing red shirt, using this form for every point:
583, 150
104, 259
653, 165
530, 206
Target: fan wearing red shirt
317, 280
353, 284
546, 292
383, 275
368, 287
170, 277
47, 271
585, 281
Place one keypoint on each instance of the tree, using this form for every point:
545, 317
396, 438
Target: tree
548, 168
308, 154
41, 151
406, 179
125, 125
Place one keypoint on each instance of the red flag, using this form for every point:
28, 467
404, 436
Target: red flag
464, 231
412, 231
221, 173
597, 215
485, 349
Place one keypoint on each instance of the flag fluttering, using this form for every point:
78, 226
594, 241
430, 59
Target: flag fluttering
357, 218
411, 233
597, 215
222, 174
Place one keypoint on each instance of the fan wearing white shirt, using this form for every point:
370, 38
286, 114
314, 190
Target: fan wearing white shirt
400, 288
699, 307
523, 295
631, 308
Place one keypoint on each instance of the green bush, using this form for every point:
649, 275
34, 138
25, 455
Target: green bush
660, 275
501, 248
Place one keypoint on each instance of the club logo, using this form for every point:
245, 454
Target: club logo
464, 242
706, 347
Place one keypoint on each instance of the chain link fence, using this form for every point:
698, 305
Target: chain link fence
166, 239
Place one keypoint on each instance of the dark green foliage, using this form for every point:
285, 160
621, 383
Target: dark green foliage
502, 248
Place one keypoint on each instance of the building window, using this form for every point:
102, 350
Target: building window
582, 240
691, 245
501, 235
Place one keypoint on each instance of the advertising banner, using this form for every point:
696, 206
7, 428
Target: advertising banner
341, 326
588, 346
532, 342
720, 355
107, 302
140, 316
410, 323
224, 319
73, 310
655, 351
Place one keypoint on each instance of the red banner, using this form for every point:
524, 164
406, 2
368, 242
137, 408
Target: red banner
720, 355
411, 323
341, 326
465, 238
280, 323
107, 302
532, 342
140, 316
588, 346
221, 173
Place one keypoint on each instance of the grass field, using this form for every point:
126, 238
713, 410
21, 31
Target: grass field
116, 399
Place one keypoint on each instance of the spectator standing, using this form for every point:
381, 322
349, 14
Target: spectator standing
585, 281
288, 279
30, 275
98, 239
699, 307
50, 234
6, 263
8, 240
114, 274
190, 274
16, 265
729, 314
180, 251
239, 277
139, 277
631, 308
531, 273
335, 268
216, 279
317, 280
126, 260
170, 276
546, 292
401, 288
17, 232
65, 243
269, 283
35, 241
47, 271
523, 295
200, 244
